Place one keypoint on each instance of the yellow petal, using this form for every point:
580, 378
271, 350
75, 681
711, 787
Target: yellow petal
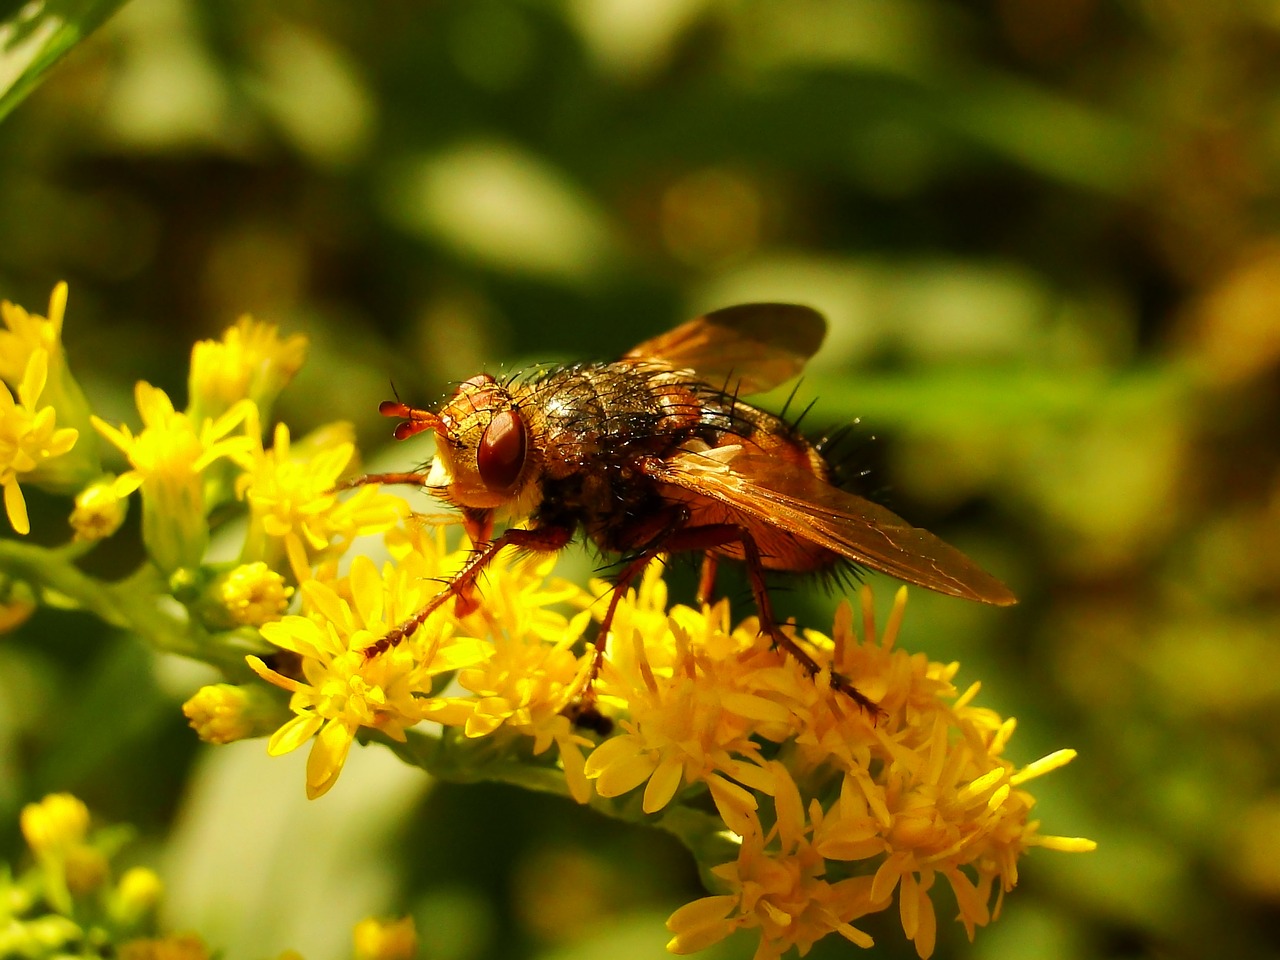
610, 751
366, 591
321, 598
663, 784
328, 754
299, 634
271, 676
33, 380
736, 806
293, 734
699, 924
16, 507
887, 876
1042, 766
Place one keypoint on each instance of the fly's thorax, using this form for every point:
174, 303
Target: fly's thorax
486, 450
591, 415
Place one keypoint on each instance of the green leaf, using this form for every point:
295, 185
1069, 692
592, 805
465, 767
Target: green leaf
34, 35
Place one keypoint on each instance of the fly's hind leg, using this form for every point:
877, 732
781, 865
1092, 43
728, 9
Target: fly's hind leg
708, 538
707, 578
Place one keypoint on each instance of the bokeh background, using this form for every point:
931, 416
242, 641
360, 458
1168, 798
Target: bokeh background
1044, 232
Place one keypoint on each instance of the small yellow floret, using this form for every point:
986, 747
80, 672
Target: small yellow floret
254, 594
169, 460
55, 824
220, 713
385, 939
29, 436
137, 895
249, 362
99, 512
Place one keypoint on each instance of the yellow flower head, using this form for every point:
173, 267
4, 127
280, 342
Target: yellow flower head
532, 674
692, 716
225, 713
24, 335
249, 362
56, 829
99, 511
29, 436
170, 458
294, 508
339, 689
55, 825
385, 939
923, 794
136, 896
253, 594
779, 886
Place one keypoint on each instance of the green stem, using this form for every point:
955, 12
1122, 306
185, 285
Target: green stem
135, 603
453, 758
52, 571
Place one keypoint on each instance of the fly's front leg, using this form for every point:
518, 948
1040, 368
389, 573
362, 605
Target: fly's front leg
542, 539
383, 479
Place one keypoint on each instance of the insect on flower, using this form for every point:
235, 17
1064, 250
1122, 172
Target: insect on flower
654, 454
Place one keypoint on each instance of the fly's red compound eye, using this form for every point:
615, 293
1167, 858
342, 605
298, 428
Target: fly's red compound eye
502, 451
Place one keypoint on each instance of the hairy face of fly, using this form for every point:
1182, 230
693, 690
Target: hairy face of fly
483, 451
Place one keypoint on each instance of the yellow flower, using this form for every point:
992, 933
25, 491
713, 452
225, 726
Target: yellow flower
224, 712
169, 459
691, 723
699, 697
253, 594
533, 674
24, 335
921, 795
778, 886
56, 829
295, 509
28, 436
249, 362
385, 939
58, 823
340, 689
99, 511
136, 896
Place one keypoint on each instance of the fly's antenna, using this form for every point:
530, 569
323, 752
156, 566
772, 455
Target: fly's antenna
413, 420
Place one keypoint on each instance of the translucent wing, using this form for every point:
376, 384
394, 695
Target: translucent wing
753, 347
787, 497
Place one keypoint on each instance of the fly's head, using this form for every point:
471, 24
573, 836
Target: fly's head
485, 450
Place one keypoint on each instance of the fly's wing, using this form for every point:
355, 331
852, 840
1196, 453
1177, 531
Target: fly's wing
752, 347
789, 498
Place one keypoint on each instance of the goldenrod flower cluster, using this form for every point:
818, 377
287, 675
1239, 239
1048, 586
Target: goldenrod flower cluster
66, 903
805, 812
31, 442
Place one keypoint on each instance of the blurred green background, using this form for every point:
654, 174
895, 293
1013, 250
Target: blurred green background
1046, 238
